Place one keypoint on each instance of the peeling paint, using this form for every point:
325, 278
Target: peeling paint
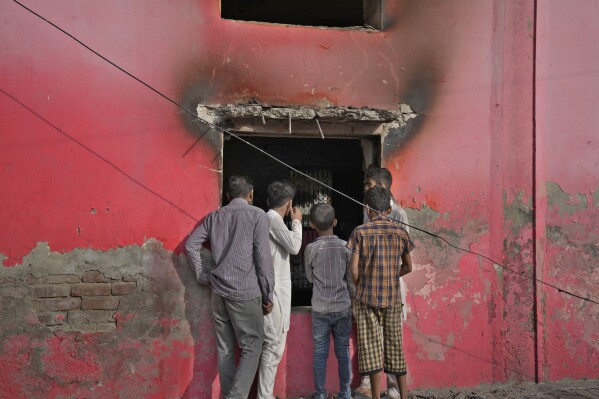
565, 202
520, 214
435, 251
153, 335
156, 169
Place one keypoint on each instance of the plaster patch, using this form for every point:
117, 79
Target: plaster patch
556, 235
431, 249
425, 216
566, 203
455, 296
465, 309
160, 310
430, 347
429, 286
520, 214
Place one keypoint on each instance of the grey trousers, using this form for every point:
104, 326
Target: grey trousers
237, 323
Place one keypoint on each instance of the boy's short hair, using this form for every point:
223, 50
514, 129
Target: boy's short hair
378, 198
380, 175
279, 192
239, 186
322, 216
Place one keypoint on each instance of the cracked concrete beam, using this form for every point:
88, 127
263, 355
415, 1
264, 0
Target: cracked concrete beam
295, 113
218, 113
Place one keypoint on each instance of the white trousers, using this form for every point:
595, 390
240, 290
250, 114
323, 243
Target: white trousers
272, 351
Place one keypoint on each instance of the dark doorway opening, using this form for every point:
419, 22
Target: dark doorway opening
329, 13
337, 162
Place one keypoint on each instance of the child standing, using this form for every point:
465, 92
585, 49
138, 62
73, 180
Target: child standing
379, 248
327, 267
382, 177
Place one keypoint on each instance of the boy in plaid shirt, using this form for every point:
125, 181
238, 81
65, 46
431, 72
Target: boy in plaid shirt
379, 247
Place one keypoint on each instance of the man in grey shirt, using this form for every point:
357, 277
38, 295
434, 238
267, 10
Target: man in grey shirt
242, 282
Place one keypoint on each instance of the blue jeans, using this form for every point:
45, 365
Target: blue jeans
339, 324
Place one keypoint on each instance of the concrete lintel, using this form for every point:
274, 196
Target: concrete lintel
265, 119
306, 128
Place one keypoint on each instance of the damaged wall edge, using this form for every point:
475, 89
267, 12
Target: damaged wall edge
106, 319
266, 119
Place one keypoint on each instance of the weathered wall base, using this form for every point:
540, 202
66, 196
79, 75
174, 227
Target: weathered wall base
97, 324
125, 323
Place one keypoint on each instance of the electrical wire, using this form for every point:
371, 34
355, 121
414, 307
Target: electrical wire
225, 131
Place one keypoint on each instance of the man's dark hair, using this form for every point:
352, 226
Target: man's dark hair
239, 186
380, 175
378, 198
322, 216
279, 192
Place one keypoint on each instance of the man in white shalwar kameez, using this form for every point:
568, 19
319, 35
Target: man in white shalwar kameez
283, 242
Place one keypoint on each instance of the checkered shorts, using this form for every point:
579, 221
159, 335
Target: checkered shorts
378, 327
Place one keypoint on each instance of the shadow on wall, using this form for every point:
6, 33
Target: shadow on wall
204, 382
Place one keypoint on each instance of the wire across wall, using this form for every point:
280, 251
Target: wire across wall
298, 172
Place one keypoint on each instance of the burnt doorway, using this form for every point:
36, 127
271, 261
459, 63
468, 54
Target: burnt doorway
337, 162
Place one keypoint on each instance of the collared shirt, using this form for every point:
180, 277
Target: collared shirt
238, 235
397, 214
283, 242
327, 267
380, 245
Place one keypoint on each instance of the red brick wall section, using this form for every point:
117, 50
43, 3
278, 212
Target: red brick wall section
101, 324
82, 303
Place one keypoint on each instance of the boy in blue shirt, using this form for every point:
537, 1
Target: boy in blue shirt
327, 267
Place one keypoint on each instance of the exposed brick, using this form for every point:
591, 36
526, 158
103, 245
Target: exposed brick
56, 304
94, 327
51, 291
53, 279
123, 288
131, 278
13, 292
90, 316
103, 302
91, 289
94, 276
105, 327
51, 318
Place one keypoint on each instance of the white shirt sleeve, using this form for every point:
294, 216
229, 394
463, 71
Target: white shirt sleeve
291, 240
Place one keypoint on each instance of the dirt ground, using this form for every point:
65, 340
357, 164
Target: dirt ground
580, 389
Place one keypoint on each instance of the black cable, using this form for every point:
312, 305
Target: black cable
196, 116
498, 264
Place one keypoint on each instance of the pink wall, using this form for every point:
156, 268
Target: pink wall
98, 161
568, 186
